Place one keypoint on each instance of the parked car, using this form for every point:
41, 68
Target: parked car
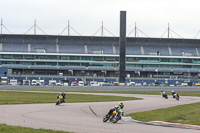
137, 84
171, 85
74, 83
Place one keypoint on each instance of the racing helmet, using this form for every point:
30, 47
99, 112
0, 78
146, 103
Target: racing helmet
172, 90
63, 93
121, 105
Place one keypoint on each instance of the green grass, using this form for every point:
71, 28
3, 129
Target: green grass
181, 93
189, 93
185, 114
12, 97
15, 129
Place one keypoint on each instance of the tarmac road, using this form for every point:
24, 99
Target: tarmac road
87, 117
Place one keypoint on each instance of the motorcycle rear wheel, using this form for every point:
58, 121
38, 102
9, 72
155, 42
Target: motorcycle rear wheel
115, 120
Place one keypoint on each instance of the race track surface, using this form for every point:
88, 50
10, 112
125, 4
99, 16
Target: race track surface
87, 117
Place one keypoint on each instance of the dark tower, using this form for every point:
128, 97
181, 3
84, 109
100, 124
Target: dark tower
122, 50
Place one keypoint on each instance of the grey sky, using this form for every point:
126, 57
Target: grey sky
86, 16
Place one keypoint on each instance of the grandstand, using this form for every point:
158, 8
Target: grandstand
99, 56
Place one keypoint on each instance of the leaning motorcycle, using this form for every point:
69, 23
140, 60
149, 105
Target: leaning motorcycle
176, 97
165, 96
59, 100
114, 117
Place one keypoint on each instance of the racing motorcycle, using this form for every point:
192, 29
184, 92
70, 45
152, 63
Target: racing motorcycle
176, 96
59, 100
165, 96
114, 117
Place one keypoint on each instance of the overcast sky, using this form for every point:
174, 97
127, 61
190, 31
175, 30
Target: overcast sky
86, 16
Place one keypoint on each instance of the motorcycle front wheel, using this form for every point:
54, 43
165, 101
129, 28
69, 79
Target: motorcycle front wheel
106, 118
58, 102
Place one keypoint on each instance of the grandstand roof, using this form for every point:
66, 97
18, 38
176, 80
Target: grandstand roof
94, 40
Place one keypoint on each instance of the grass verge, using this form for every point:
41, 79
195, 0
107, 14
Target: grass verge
184, 114
15, 129
181, 93
12, 97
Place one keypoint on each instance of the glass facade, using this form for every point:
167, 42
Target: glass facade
91, 60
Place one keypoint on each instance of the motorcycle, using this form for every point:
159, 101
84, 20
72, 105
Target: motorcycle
165, 96
59, 100
176, 96
114, 117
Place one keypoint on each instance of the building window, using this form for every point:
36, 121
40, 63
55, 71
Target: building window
154, 52
97, 51
187, 53
40, 50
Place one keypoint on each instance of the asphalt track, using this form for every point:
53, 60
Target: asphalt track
87, 117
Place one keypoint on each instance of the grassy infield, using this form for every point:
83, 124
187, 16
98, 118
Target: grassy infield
187, 114
10, 97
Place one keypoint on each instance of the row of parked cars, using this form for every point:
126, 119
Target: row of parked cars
91, 83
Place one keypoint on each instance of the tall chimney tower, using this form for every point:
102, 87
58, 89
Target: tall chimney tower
122, 50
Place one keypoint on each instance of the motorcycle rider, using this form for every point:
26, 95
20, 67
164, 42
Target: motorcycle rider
173, 92
64, 97
116, 108
163, 94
